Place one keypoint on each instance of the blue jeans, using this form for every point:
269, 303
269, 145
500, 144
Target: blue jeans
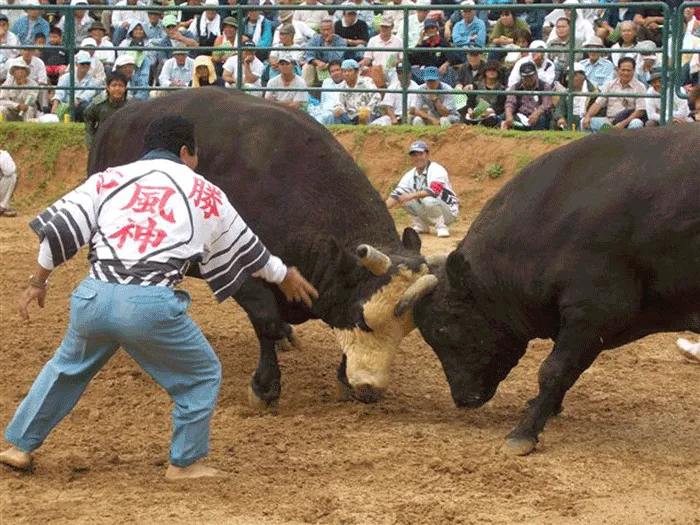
598, 122
152, 325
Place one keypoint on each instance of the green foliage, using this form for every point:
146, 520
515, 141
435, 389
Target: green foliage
45, 140
494, 170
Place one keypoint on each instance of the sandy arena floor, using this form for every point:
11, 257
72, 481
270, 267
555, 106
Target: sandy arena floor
624, 451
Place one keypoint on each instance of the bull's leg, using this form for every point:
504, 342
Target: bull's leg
289, 341
345, 392
260, 303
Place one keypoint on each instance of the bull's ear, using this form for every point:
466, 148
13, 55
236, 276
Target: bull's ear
458, 269
411, 240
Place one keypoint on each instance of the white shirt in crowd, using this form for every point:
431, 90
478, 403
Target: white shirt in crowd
383, 58
545, 72
302, 34
395, 100
312, 18
119, 17
172, 72
680, 108
256, 67
287, 96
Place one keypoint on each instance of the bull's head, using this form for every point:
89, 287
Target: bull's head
461, 324
386, 316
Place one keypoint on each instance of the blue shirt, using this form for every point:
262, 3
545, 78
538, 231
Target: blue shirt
83, 94
463, 33
26, 30
326, 56
600, 73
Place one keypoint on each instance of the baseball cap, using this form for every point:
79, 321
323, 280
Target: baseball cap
78, 2
230, 21
89, 41
180, 51
124, 60
387, 21
285, 57
578, 68
286, 15
493, 65
467, 2
655, 74
248, 43
594, 41
646, 47
538, 44
350, 64
18, 62
287, 29
169, 21
98, 25
83, 57
418, 146
528, 69
431, 73
430, 22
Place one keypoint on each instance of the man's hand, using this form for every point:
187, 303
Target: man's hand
620, 125
338, 112
22, 107
404, 198
30, 295
507, 123
125, 25
296, 288
586, 122
532, 119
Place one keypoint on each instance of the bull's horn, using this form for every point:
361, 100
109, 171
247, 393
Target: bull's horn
374, 260
420, 288
436, 260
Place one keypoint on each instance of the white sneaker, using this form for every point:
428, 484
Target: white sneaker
688, 350
441, 227
420, 226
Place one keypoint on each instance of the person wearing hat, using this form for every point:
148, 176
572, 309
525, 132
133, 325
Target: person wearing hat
258, 30
470, 31
487, 109
8, 183
353, 107
206, 26
99, 34
81, 21
174, 37
528, 112
437, 109
425, 193
226, 43
354, 31
381, 64
680, 112
154, 27
7, 38
366, 15
122, 20
647, 60
316, 68
302, 32
28, 26
581, 103
18, 104
143, 60
620, 112
285, 39
97, 69
392, 103
177, 71
546, 70
105, 104
253, 69
599, 71
287, 78
205, 73
83, 97
430, 37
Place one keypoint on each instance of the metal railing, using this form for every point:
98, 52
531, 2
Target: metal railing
71, 47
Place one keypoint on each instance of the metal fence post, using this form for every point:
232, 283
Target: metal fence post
239, 48
570, 72
405, 73
69, 44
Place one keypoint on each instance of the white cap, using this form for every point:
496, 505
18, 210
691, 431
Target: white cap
89, 41
578, 68
78, 2
124, 60
538, 44
211, 2
18, 62
467, 2
83, 57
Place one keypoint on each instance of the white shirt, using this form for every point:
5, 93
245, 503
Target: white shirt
545, 72
680, 108
7, 165
302, 34
105, 56
311, 17
256, 67
330, 99
287, 96
433, 179
395, 100
383, 58
171, 72
119, 17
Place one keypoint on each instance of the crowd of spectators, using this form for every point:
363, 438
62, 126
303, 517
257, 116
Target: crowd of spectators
444, 80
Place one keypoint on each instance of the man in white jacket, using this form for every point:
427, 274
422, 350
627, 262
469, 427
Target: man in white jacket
8, 182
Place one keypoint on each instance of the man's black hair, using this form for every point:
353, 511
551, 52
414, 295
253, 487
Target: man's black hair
56, 30
627, 59
118, 76
170, 132
334, 63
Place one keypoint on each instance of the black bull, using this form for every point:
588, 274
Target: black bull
594, 245
304, 196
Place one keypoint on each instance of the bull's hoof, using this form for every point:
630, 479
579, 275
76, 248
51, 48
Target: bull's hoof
519, 446
257, 403
287, 344
345, 391
367, 394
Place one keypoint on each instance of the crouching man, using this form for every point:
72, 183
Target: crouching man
426, 194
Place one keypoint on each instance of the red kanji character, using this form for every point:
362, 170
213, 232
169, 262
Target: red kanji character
207, 197
147, 235
147, 198
109, 184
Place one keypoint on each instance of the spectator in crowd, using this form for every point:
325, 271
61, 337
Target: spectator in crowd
311, 18
37, 68
545, 67
366, 15
288, 79
136, 37
381, 64
437, 109
204, 73
123, 20
7, 38
323, 113
105, 104
352, 107
584, 27
420, 60
97, 69
18, 104
174, 37
392, 104
534, 18
523, 39
55, 57
99, 34
581, 103
206, 27
647, 60
615, 14
12, 14
503, 33
154, 27
628, 35
425, 193
354, 31
185, 17
28, 26
487, 109
83, 94
396, 14
227, 41
528, 112
177, 71
416, 23
126, 65
470, 31
39, 40
561, 37
598, 70
471, 71
272, 16
252, 70
620, 112
302, 32
649, 22
82, 21
285, 36
258, 29
8, 182
316, 68
678, 114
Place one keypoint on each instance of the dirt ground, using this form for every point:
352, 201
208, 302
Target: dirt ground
624, 451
